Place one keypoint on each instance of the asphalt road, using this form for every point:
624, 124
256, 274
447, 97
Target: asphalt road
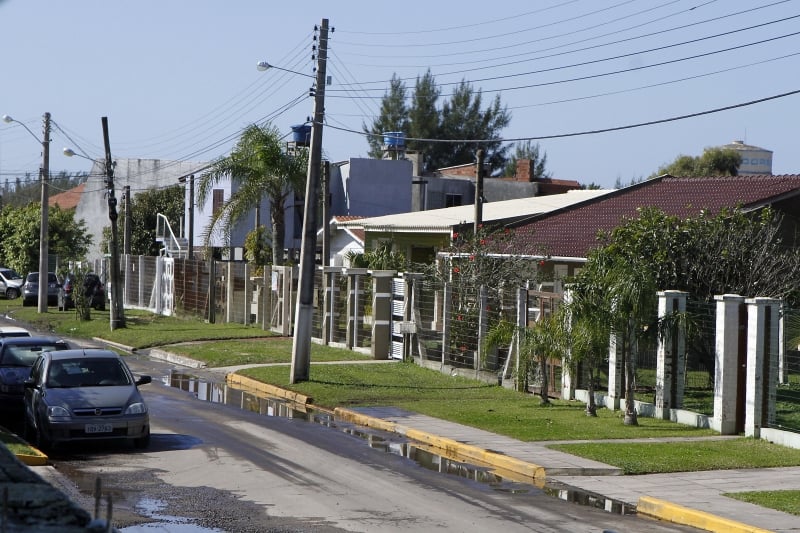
216, 467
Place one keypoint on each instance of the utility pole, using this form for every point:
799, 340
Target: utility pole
44, 263
191, 217
116, 311
326, 216
478, 193
126, 247
301, 342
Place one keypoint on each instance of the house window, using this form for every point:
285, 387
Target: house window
217, 200
452, 200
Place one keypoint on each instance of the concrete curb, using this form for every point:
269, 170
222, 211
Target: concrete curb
34, 459
264, 388
117, 345
527, 470
678, 514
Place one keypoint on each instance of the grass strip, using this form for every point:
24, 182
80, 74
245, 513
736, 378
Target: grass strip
787, 501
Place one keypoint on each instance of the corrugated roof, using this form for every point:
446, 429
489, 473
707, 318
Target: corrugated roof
572, 231
443, 220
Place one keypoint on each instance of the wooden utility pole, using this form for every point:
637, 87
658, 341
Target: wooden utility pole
44, 263
301, 343
326, 216
191, 217
126, 246
117, 313
478, 193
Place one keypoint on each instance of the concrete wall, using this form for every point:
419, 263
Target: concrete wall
140, 175
371, 187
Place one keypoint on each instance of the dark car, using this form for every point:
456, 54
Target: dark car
30, 289
93, 290
84, 395
17, 355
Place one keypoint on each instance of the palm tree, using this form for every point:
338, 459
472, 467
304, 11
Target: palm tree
260, 166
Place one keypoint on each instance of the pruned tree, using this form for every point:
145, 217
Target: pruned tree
538, 158
713, 162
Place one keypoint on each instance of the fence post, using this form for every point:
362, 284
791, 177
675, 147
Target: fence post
670, 356
569, 379
762, 363
212, 293
140, 292
727, 363
158, 288
447, 312
353, 297
248, 296
229, 299
483, 327
382, 313
265, 298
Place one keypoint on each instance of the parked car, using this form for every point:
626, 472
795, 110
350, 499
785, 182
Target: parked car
17, 355
84, 395
30, 289
10, 283
93, 288
13, 331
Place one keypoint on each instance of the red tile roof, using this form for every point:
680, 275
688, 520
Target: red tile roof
358, 233
572, 231
67, 199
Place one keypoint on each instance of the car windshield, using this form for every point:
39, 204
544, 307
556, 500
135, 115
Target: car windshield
26, 354
87, 373
10, 274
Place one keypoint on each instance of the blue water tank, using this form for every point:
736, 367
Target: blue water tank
301, 134
394, 139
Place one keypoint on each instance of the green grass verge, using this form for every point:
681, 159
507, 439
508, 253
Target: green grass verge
662, 457
258, 351
143, 329
16, 444
787, 501
489, 407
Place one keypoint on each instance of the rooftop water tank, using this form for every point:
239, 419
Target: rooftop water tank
301, 134
755, 160
394, 140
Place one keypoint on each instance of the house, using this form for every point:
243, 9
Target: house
67, 199
569, 233
419, 234
342, 242
137, 174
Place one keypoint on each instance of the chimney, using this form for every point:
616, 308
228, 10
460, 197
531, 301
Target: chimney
524, 170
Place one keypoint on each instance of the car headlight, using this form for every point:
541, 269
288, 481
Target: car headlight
57, 412
137, 408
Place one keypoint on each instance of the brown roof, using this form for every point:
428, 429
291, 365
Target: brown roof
358, 233
67, 199
572, 231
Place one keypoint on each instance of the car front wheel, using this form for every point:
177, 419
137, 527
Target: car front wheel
12, 293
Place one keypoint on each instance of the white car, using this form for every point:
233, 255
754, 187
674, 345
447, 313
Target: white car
10, 283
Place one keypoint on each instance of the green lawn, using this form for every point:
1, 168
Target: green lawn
787, 501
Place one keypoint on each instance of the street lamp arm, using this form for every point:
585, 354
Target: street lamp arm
8, 120
263, 65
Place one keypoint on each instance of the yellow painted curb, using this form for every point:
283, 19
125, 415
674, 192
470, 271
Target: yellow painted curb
451, 447
664, 510
36, 459
264, 388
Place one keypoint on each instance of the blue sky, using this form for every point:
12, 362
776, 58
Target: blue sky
177, 79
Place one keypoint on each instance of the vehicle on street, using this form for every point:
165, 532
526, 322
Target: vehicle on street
17, 355
10, 283
84, 394
13, 331
30, 289
93, 290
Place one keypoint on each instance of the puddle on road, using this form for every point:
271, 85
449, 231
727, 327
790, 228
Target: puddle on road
151, 508
421, 454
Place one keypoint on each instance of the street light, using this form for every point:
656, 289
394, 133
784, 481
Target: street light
261, 66
44, 178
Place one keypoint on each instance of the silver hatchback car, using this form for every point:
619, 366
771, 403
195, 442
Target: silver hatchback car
80, 395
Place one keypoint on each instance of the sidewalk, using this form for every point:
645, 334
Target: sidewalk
690, 498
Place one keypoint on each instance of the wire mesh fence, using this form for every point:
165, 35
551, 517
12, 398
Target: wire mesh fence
787, 393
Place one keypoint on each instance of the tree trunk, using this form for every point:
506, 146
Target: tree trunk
544, 381
591, 406
278, 217
631, 349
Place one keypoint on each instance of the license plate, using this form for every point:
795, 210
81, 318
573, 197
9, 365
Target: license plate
99, 428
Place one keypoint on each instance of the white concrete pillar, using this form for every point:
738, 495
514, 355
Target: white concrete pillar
727, 363
762, 363
614, 373
382, 311
670, 356
568, 381
447, 315
483, 327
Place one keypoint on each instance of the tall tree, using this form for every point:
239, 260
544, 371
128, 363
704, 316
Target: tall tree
145, 208
19, 233
260, 166
713, 162
462, 116
394, 117
538, 157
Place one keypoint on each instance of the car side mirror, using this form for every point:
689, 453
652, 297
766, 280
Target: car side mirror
144, 380
29, 384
